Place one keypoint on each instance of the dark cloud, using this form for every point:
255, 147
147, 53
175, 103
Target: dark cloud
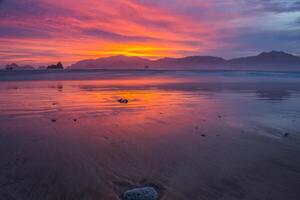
22, 32
274, 5
17, 9
297, 22
252, 41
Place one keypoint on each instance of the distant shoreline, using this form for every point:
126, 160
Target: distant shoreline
150, 70
104, 74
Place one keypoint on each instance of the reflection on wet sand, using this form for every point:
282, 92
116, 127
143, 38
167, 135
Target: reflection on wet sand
192, 138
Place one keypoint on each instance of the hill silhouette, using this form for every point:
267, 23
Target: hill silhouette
266, 60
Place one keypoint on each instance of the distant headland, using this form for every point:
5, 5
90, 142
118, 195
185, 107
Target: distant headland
14, 66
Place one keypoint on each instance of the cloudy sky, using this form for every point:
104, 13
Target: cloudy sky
45, 31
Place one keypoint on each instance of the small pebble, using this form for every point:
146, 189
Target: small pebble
53, 120
123, 100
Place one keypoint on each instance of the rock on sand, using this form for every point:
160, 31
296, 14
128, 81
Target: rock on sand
145, 193
123, 100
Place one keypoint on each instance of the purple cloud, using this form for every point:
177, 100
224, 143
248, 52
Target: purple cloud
78, 29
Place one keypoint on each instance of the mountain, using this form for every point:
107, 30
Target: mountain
267, 60
264, 61
113, 62
126, 62
192, 61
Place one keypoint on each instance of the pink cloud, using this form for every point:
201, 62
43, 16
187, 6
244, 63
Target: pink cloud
79, 29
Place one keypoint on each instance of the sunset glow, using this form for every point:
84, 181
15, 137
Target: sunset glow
44, 31
149, 99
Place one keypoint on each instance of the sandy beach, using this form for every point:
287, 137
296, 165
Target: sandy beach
191, 135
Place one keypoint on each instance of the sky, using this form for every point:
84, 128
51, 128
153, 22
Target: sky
41, 32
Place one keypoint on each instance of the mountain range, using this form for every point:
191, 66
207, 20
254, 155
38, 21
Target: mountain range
274, 60
264, 61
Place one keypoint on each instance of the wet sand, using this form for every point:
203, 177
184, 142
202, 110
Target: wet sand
193, 136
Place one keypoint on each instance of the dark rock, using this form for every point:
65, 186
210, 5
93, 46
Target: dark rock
75, 120
203, 135
145, 193
11, 67
57, 66
285, 134
123, 100
53, 120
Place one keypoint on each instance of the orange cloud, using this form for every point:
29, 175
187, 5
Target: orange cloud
72, 30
